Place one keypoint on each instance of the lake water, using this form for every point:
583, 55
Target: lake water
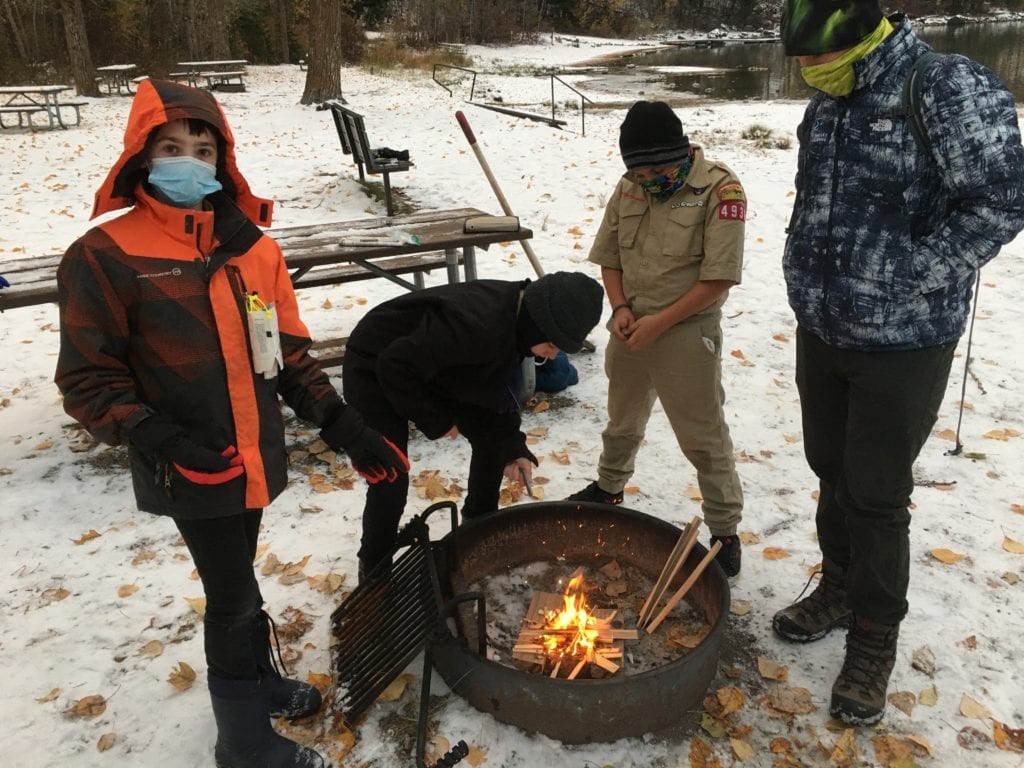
761, 71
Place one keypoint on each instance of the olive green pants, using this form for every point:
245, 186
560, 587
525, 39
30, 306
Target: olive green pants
682, 369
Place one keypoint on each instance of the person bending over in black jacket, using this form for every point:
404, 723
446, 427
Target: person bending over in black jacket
449, 359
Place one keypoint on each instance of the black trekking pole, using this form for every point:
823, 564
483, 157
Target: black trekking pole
959, 447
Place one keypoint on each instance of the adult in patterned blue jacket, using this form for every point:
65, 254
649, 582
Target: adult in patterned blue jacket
885, 242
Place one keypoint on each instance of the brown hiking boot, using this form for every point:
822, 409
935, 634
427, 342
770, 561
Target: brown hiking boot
858, 696
819, 613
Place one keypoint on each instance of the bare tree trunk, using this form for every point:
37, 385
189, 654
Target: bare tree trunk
189, 20
323, 77
16, 34
78, 47
213, 24
283, 54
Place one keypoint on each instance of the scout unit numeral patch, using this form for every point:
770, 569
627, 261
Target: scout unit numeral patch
732, 212
732, 203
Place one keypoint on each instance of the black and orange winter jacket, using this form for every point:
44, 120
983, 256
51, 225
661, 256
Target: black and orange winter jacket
153, 321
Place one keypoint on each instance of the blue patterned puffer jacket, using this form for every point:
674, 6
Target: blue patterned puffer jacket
885, 240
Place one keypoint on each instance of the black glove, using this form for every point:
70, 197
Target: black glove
372, 455
162, 438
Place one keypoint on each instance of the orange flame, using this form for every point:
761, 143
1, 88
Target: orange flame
575, 615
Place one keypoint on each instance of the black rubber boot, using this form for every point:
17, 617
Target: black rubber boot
858, 696
287, 697
819, 613
245, 738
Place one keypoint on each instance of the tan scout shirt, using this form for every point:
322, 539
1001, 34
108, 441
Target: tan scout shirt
664, 249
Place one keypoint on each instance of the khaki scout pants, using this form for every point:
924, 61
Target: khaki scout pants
683, 369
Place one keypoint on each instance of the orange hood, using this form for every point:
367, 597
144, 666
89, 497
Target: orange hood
156, 103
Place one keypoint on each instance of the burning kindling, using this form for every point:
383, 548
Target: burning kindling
563, 635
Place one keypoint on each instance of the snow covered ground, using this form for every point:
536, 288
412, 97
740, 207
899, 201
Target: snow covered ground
108, 615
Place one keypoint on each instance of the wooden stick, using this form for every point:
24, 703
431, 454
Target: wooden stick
675, 560
554, 672
576, 670
603, 662
686, 586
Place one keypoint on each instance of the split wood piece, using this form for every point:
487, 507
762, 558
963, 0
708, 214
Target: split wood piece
576, 669
675, 561
686, 586
604, 663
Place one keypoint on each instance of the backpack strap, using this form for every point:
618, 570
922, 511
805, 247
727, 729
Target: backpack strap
912, 97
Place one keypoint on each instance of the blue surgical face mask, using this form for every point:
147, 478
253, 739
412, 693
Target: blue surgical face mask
184, 181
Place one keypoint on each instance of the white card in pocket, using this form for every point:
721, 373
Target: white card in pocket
264, 338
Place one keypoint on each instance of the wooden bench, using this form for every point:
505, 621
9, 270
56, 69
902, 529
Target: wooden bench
354, 141
24, 113
224, 81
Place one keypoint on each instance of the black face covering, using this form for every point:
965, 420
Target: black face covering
528, 334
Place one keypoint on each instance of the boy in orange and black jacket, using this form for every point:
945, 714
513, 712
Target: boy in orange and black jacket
160, 312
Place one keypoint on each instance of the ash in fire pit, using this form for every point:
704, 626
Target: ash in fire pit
609, 589
513, 553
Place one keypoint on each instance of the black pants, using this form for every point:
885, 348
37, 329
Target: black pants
866, 416
223, 550
385, 502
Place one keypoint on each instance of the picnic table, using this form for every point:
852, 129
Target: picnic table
325, 254
218, 73
117, 77
25, 101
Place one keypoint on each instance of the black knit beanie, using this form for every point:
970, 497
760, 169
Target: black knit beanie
652, 136
565, 306
814, 27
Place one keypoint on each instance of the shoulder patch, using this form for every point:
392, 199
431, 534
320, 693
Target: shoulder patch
731, 191
732, 211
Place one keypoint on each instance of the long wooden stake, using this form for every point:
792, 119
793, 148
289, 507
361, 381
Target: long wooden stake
675, 560
686, 586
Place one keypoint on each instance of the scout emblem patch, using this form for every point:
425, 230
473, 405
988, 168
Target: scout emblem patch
731, 191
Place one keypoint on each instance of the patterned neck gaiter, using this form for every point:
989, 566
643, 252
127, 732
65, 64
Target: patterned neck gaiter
661, 188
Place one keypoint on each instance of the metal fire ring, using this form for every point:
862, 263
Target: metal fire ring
575, 711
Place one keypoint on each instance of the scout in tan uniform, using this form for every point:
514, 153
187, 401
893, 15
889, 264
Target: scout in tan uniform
670, 247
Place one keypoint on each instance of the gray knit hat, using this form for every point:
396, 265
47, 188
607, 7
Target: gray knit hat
565, 306
652, 136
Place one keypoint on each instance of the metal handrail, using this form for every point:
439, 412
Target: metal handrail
472, 84
583, 103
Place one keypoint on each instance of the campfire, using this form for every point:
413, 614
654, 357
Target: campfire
564, 634
559, 666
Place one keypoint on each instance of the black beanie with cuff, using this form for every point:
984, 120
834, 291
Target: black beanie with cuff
565, 307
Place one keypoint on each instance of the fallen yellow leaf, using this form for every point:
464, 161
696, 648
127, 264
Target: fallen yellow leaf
88, 706
127, 590
152, 649
732, 699
741, 749
1013, 546
198, 604
107, 740
971, 708
774, 553
87, 536
771, 670
182, 676
929, 697
394, 691
946, 556
53, 694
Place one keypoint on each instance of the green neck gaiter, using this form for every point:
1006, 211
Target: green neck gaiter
836, 77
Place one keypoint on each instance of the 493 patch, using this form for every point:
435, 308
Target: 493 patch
732, 212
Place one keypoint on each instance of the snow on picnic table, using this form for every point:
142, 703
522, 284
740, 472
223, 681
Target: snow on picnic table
109, 615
